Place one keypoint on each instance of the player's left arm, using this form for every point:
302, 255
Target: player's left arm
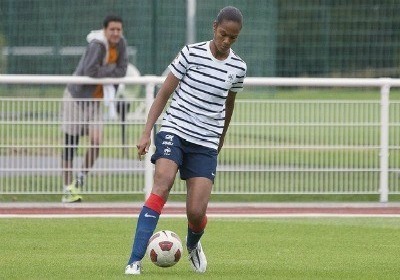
229, 107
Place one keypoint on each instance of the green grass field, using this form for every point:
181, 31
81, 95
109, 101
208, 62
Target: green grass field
267, 248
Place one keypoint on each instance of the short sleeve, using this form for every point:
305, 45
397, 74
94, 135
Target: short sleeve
237, 86
179, 65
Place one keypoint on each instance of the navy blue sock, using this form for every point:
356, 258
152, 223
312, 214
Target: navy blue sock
146, 225
193, 238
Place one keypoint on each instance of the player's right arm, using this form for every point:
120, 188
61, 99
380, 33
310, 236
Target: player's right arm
167, 88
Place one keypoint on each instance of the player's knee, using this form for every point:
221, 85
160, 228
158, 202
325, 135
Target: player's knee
161, 190
163, 181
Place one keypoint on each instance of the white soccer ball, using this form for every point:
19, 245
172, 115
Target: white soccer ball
164, 248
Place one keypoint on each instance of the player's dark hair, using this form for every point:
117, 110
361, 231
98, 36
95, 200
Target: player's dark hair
230, 13
111, 18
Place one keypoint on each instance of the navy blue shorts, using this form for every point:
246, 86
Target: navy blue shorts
193, 160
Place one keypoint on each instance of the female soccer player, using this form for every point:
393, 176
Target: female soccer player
204, 79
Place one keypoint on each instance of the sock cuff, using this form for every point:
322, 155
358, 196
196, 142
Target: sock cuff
155, 203
198, 228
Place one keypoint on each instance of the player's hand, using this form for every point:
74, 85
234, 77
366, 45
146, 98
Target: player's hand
143, 146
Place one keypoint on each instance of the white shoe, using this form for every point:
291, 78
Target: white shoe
133, 268
197, 259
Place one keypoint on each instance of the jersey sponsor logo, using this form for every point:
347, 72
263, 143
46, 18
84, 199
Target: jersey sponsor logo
169, 138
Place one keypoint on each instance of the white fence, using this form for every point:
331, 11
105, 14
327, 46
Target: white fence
272, 147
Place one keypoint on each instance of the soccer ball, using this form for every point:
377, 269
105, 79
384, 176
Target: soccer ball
164, 248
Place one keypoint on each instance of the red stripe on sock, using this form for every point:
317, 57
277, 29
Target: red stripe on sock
155, 202
200, 227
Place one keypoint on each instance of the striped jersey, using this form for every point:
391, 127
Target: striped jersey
197, 109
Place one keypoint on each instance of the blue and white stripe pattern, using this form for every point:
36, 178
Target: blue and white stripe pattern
197, 110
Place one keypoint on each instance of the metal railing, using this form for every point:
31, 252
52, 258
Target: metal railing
273, 147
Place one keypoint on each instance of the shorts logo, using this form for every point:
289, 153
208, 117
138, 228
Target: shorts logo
167, 151
168, 140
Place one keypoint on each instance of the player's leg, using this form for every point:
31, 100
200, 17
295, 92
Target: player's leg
70, 145
71, 128
93, 126
198, 169
92, 153
167, 158
165, 172
71, 193
198, 195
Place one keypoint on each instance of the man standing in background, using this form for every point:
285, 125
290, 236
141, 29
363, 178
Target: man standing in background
105, 56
